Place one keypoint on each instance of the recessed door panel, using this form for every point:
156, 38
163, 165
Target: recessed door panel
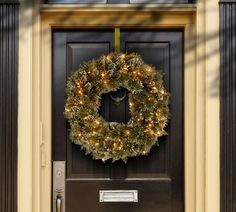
157, 164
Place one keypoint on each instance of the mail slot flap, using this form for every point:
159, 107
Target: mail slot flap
118, 196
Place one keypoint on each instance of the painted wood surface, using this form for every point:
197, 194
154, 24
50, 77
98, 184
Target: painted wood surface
159, 176
8, 106
228, 104
121, 1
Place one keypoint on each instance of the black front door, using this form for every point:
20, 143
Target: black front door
158, 177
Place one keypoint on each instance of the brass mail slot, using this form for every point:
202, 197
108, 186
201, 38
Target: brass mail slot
118, 196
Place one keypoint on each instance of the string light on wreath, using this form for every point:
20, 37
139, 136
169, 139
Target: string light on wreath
148, 101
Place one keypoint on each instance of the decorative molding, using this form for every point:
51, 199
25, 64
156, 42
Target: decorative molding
227, 1
228, 104
8, 106
119, 1
9, 2
159, 1
76, 1
73, 8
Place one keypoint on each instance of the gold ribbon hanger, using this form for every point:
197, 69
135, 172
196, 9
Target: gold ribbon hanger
117, 39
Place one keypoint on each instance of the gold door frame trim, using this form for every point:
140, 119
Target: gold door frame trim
34, 159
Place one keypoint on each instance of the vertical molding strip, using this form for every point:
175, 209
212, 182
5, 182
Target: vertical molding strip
8, 106
228, 104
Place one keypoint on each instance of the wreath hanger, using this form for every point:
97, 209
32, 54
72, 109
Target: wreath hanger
118, 99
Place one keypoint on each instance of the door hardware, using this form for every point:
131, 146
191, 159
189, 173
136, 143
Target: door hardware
118, 196
118, 100
59, 186
58, 204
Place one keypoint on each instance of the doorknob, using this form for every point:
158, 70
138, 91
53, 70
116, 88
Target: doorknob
58, 204
59, 199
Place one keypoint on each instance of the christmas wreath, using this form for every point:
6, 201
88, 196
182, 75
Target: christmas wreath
148, 101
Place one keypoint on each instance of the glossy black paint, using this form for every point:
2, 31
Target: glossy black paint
158, 177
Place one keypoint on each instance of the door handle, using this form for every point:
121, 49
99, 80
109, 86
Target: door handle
59, 199
58, 204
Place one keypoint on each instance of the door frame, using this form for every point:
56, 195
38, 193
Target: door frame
201, 123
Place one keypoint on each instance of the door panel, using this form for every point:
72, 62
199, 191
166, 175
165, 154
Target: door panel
70, 50
164, 51
156, 54
158, 177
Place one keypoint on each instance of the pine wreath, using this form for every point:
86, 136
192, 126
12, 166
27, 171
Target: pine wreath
148, 101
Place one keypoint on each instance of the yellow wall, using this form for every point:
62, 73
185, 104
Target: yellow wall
201, 92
